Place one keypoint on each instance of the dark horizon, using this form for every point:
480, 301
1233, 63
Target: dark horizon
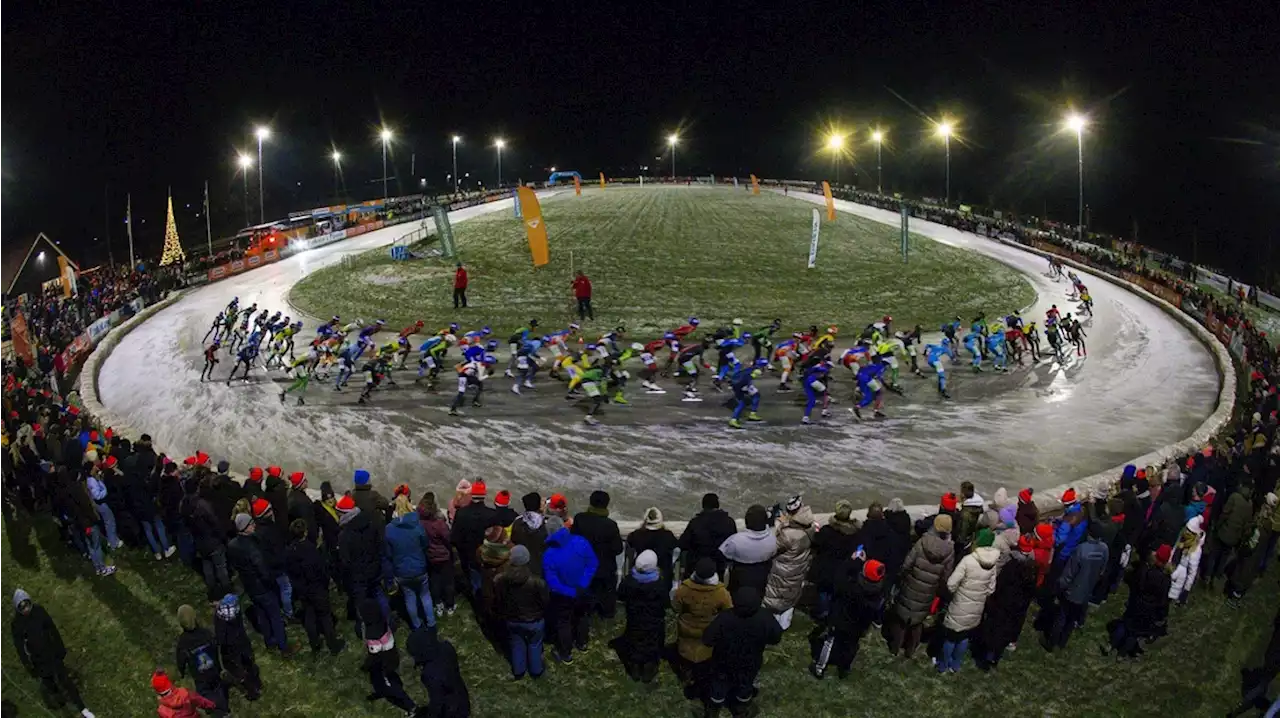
102, 102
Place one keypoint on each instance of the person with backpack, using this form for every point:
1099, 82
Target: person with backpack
197, 654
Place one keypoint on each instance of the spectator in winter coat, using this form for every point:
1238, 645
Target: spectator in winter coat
310, 579
461, 497
924, 574
895, 514
1268, 522
299, 506
973, 580
373, 504
704, 534
492, 558
880, 541
738, 639
276, 491
1187, 553
406, 549
1028, 514
795, 535
223, 495
235, 648
530, 531
39, 646
750, 552
1042, 551
948, 506
326, 514
503, 514
273, 539
360, 557
520, 600
602, 533
245, 555
653, 536
1227, 532
1006, 609
382, 660
859, 594
1075, 586
467, 534
568, 565
439, 555
179, 702
644, 595
1068, 532
972, 506
698, 600
832, 546
1146, 610
197, 654
447, 695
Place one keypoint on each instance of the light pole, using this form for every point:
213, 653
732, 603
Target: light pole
672, 139
1076, 123
245, 162
835, 143
456, 140
878, 138
337, 168
499, 143
386, 139
262, 133
944, 129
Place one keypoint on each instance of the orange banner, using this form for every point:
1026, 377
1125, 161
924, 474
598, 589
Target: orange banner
577, 186
534, 226
755, 185
831, 203
601, 180
21, 341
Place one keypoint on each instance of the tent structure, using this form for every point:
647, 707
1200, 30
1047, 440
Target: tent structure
41, 237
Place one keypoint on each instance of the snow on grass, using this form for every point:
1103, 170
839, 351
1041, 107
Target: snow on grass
657, 256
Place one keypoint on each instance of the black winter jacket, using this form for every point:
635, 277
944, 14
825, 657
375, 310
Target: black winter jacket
606, 541
244, 554
360, 549
702, 538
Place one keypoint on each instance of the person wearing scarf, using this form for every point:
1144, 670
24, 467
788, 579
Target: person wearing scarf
492, 558
382, 660
645, 597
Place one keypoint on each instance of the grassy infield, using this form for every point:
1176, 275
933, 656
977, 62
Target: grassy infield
656, 257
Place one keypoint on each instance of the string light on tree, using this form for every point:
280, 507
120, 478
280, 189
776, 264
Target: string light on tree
172, 247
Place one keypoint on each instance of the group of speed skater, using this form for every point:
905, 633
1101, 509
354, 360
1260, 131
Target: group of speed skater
597, 372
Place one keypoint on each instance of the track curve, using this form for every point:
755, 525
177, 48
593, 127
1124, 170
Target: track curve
1146, 383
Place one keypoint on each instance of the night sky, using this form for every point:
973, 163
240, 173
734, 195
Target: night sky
98, 102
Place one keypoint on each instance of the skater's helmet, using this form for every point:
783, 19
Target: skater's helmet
359, 322
453, 327
693, 321
572, 327
669, 336
533, 322
887, 319
485, 331
761, 363
380, 322
737, 322
335, 319
297, 324
545, 339
217, 343
746, 336
491, 345
451, 339
404, 341
946, 341
490, 359
591, 347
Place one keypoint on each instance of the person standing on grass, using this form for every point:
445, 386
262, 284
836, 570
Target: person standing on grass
406, 552
40, 648
644, 593
1075, 586
245, 555
179, 702
197, 654
737, 639
520, 600
568, 565
310, 579
602, 533
235, 647
582, 293
447, 695
460, 280
382, 660
703, 535
440, 581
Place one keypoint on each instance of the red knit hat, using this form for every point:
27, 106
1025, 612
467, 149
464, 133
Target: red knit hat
345, 504
1163, 554
558, 502
109, 433
1044, 533
401, 490
109, 462
255, 474
93, 436
503, 498
1069, 497
478, 488
873, 571
201, 458
1026, 544
275, 471
297, 479
949, 502
1024, 496
189, 461
1142, 474
261, 507
160, 682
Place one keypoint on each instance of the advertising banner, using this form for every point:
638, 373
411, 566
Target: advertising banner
253, 261
236, 266
831, 203
21, 339
534, 227
813, 238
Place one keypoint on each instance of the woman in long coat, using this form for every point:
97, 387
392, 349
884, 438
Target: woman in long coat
791, 563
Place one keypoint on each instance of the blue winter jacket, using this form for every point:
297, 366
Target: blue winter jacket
1066, 538
568, 564
406, 547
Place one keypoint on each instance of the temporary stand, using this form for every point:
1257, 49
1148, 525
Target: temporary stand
40, 236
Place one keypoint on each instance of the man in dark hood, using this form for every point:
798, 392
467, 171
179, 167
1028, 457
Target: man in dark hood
40, 648
704, 534
530, 531
738, 639
446, 691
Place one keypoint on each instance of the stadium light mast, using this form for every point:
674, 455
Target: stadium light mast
878, 137
672, 139
386, 140
499, 144
245, 162
263, 132
944, 130
336, 156
835, 143
1076, 123
456, 140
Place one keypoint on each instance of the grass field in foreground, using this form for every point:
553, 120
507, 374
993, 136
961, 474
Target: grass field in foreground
117, 630
657, 256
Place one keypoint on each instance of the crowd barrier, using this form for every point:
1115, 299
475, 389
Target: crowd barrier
80, 347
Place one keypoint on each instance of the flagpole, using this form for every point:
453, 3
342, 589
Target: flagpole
208, 228
111, 257
128, 221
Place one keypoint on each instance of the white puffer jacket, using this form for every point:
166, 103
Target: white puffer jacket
973, 580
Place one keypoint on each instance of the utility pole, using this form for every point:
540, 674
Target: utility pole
106, 211
208, 226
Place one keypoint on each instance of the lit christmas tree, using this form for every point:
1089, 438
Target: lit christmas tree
172, 248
